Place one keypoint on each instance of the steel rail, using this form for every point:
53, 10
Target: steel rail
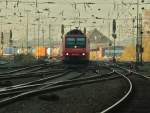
123, 98
34, 82
16, 89
21, 69
134, 72
29, 74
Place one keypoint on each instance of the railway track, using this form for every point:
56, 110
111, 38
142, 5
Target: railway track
54, 86
31, 68
48, 84
30, 73
138, 100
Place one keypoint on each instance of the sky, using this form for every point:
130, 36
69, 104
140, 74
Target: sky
72, 13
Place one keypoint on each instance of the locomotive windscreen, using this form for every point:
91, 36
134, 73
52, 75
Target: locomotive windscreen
79, 42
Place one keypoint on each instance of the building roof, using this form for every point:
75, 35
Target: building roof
96, 36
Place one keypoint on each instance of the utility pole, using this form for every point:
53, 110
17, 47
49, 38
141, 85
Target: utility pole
43, 36
137, 39
2, 34
1, 22
109, 34
11, 41
27, 31
38, 39
50, 36
38, 19
2, 41
133, 40
36, 3
141, 49
34, 36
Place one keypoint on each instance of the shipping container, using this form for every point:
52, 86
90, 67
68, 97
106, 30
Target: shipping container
96, 55
55, 52
40, 52
49, 51
109, 51
10, 51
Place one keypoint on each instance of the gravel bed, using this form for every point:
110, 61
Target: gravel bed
145, 69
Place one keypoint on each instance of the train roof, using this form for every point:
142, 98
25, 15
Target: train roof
75, 32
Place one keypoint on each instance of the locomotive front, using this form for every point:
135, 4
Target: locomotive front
75, 47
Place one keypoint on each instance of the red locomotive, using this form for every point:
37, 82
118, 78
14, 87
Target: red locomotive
75, 46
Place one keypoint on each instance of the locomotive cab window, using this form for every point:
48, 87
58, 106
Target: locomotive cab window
70, 42
75, 41
80, 42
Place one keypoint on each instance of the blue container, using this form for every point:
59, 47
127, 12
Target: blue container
9, 51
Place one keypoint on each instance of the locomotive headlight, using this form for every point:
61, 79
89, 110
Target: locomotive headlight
83, 54
67, 54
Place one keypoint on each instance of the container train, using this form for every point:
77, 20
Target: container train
75, 47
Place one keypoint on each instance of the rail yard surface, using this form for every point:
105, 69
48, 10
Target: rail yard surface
66, 88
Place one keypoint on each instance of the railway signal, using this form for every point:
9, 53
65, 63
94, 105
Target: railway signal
114, 36
114, 26
10, 38
62, 31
